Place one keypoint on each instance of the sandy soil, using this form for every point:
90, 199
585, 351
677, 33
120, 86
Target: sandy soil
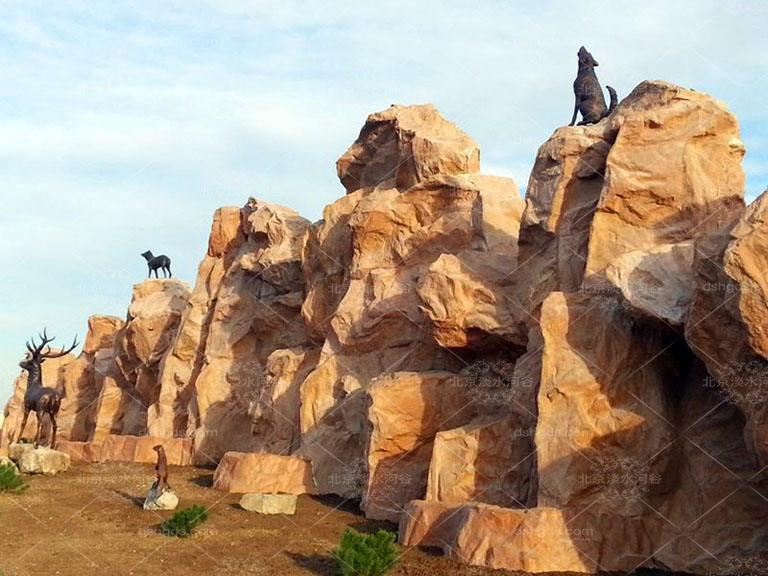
89, 521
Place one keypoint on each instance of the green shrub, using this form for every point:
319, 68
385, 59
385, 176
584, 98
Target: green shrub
184, 522
365, 554
11, 480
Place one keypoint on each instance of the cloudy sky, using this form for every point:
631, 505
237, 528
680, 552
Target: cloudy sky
123, 128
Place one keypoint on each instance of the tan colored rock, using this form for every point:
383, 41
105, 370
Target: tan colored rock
562, 195
120, 408
617, 204
52, 370
388, 317
102, 332
269, 503
466, 294
406, 410
175, 411
41, 460
615, 478
602, 399
257, 311
79, 397
153, 318
275, 411
726, 326
127, 375
178, 451
333, 411
404, 145
326, 257
536, 540
226, 232
485, 461
657, 282
673, 174
242, 472
80, 451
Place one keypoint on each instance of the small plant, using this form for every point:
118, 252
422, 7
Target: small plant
184, 522
11, 480
365, 554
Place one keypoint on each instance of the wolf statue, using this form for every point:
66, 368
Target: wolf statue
589, 95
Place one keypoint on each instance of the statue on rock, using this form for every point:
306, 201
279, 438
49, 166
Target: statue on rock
41, 399
590, 100
161, 496
161, 469
158, 262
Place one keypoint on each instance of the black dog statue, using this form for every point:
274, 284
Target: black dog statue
155, 262
590, 100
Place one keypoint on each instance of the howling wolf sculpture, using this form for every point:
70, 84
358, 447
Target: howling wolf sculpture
589, 95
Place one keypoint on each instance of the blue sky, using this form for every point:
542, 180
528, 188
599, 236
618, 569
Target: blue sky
122, 128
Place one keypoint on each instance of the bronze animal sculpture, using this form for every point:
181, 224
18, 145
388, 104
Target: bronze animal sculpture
590, 100
158, 262
161, 469
41, 399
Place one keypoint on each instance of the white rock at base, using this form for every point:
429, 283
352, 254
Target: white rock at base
165, 501
17, 449
269, 503
41, 460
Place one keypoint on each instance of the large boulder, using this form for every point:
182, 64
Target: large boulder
175, 411
727, 326
153, 318
673, 174
406, 410
80, 451
562, 195
127, 375
484, 461
404, 145
631, 444
617, 205
397, 297
531, 541
102, 333
40, 460
242, 472
257, 311
600, 401
125, 448
269, 503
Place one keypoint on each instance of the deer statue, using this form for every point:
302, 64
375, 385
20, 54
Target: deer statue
42, 400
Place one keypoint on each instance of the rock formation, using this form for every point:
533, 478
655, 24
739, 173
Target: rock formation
570, 383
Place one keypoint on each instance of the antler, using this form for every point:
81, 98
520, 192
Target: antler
61, 353
34, 349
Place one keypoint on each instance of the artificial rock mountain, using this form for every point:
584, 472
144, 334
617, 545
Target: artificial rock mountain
571, 383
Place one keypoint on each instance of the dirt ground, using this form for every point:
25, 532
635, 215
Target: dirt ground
89, 520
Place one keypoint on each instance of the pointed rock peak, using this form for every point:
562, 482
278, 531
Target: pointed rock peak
404, 145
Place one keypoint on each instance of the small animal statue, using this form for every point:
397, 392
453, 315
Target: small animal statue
155, 262
590, 100
42, 400
161, 469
